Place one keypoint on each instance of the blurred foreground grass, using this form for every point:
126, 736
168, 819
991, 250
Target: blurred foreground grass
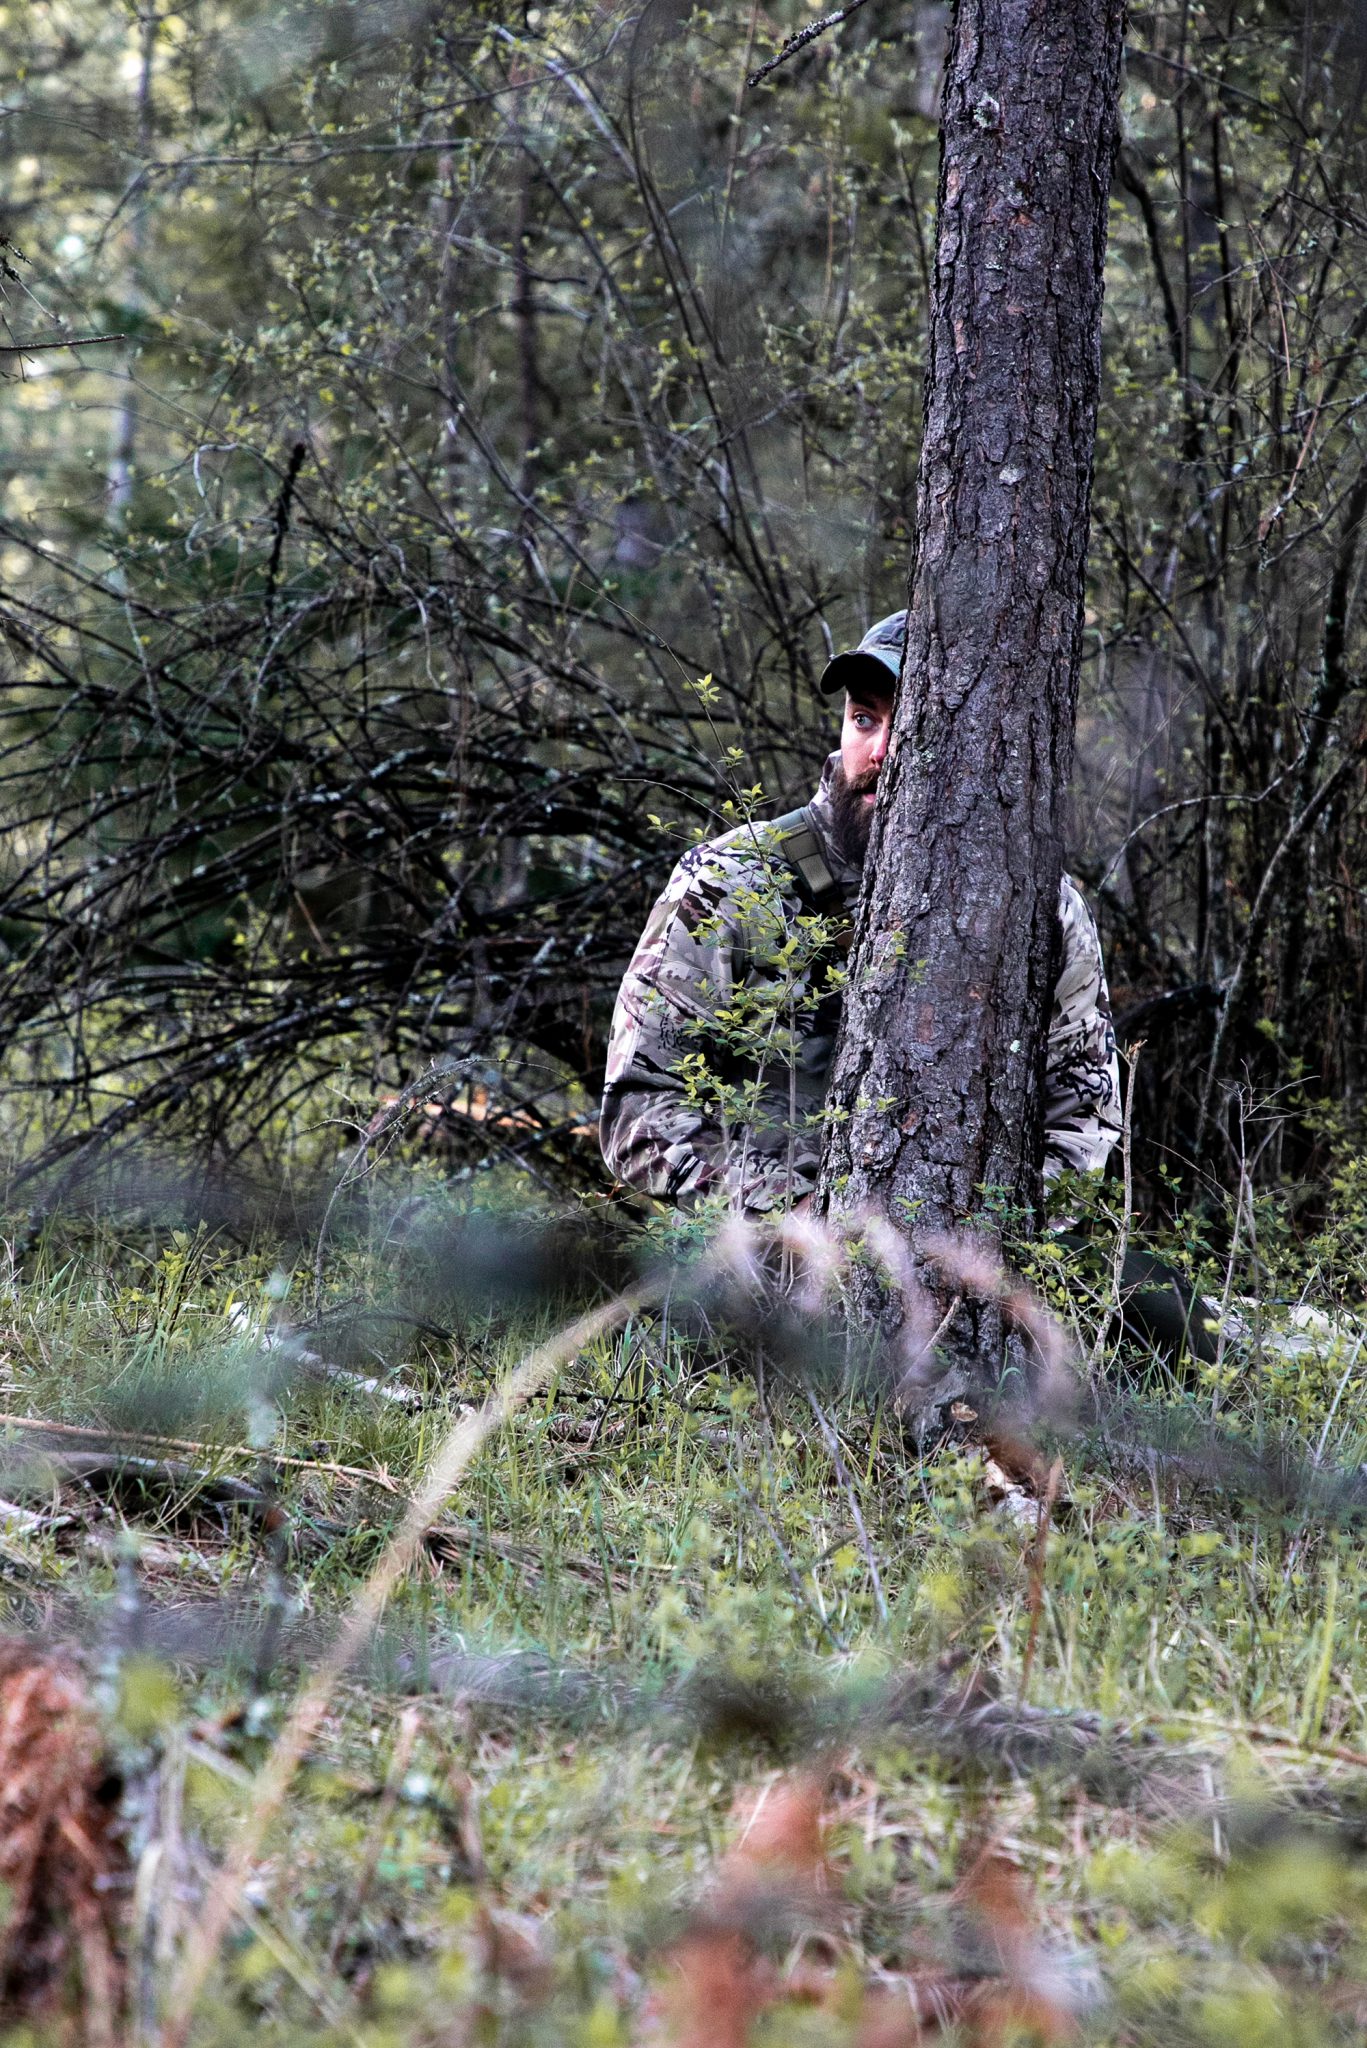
654, 1603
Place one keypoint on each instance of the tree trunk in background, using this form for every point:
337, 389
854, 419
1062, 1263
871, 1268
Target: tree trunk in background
940, 1061
124, 455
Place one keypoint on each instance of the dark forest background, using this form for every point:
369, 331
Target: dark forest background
487, 379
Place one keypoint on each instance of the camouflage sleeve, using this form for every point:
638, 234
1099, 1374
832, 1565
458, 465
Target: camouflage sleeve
1082, 1073
660, 1132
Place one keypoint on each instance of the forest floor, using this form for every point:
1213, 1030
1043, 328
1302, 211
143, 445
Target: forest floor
710, 1710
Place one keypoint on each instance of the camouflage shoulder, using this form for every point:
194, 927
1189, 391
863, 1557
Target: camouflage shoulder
742, 855
1069, 893
1075, 913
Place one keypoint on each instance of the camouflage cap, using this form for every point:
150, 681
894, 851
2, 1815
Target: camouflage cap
875, 663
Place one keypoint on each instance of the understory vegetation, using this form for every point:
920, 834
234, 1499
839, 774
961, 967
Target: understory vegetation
713, 1701
441, 452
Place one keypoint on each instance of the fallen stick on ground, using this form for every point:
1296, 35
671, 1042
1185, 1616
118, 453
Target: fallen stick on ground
444, 1539
1259, 1732
98, 1433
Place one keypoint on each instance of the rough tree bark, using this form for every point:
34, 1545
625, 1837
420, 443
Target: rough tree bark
938, 1072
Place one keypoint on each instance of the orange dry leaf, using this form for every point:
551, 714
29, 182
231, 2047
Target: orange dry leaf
721, 1982
720, 1988
780, 1840
512, 1947
59, 1857
1012, 2016
889, 2022
1026, 1996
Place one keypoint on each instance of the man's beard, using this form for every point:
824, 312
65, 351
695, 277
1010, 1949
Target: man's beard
851, 817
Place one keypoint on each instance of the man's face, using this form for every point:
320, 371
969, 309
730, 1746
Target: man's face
863, 749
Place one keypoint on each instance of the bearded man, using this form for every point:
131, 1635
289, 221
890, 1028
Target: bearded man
725, 1026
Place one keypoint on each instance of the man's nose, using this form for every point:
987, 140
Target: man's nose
880, 748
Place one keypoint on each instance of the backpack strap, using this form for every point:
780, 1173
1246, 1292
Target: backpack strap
798, 843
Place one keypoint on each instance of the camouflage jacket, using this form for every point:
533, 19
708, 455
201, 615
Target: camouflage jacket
724, 1030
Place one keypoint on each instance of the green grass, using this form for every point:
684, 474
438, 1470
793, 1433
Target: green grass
653, 1517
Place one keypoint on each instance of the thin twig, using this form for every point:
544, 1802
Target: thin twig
444, 1069
409, 1723
296, 1964
282, 520
761, 1513
1348, 1369
800, 40
453, 1459
937, 1334
37, 348
1037, 1551
1122, 1239
1255, 928
1243, 1209
832, 1443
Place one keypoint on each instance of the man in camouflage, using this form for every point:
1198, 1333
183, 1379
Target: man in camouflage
725, 1026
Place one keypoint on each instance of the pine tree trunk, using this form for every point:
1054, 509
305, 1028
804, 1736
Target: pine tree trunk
940, 1062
